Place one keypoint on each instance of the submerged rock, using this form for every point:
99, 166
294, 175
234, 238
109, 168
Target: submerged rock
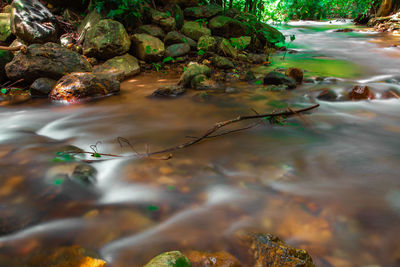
206, 11
361, 92
217, 259
191, 72
152, 30
328, 95
195, 30
147, 47
269, 250
177, 50
119, 68
169, 259
227, 27
277, 78
295, 73
169, 91
107, 39
82, 85
5, 26
49, 60
42, 87
32, 22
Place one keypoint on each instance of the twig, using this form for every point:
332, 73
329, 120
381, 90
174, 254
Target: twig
15, 48
306, 122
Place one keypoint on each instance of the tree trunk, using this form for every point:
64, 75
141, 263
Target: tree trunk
230, 3
386, 8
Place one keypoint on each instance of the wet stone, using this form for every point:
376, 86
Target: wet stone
169, 91
41, 87
328, 95
276, 78
361, 92
217, 259
295, 73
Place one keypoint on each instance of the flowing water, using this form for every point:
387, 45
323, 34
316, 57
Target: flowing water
328, 182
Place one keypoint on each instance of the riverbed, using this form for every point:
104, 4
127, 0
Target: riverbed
327, 181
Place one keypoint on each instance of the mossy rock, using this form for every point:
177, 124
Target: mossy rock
169, 259
225, 48
191, 72
163, 19
207, 43
107, 39
177, 50
207, 11
222, 63
147, 47
120, 67
175, 37
195, 30
152, 30
268, 34
227, 27
5, 26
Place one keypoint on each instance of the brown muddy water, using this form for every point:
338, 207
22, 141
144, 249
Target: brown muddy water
330, 185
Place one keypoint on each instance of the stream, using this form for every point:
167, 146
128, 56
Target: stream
327, 182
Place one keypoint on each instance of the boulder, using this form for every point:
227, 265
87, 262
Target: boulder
49, 60
328, 95
277, 78
177, 12
107, 39
147, 47
267, 34
82, 85
152, 30
361, 92
207, 43
207, 11
217, 259
91, 19
241, 43
5, 57
177, 50
5, 27
225, 48
42, 87
120, 67
266, 249
163, 19
295, 73
178, 38
195, 30
222, 63
169, 259
227, 27
32, 22
191, 72
169, 91
182, 3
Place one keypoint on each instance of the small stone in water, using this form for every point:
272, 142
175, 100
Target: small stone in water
169, 259
361, 92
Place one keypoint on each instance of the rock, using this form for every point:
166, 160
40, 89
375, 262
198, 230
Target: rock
182, 3
217, 259
328, 95
241, 43
70, 3
269, 250
13, 96
295, 73
199, 12
222, 63
344, 30
267, 34
227, 27
5, 27
191, 72
152, 30
169, 259
49, 60
361, 92
32, 22
72, 16
41, 87
177, 12
197, 81
225, 48
84, 174
163, 19
195, 30
64, 257
169, 91
81, 85
5, 57
120, 67
91, 19
177, 38
107, 39
277, 78
15, 43
207, 43
177, 50
391, 93
147, 47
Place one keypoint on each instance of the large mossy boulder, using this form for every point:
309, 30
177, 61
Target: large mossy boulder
268, 34
169, 259
152, 30
225, 48
32, 22
177, 50
82, 85
222, 62
120, 67
195, 30
49, 60
147, 47
5, 57
91, 19
207, 43
178, 38
107, 39
5, 26
227, 27
207, 11
163, 19
191, 72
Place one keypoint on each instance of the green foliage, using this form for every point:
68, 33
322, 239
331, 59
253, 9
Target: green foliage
168, 59
3, 90
201, 52
238, 43
157, 66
